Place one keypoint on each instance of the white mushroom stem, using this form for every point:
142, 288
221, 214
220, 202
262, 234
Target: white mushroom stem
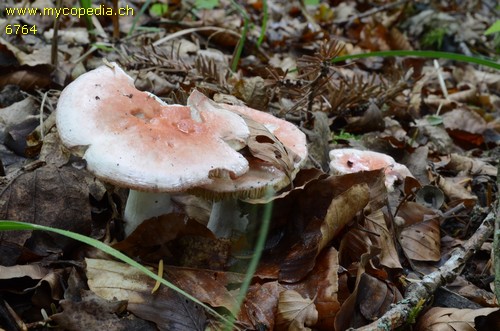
226, 219
144, 205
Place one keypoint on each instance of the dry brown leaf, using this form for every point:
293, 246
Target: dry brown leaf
420, 235
454, 188
421, 241
450, 319
266, 146
375, 296
113, 280
295, 312
375, 223
176, 240
470, 166
34, 271
260, 305
95, 313
342, 210
322, 284
252, 91
51, 196
372, 295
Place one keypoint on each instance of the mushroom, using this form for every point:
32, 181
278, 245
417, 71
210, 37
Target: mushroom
277, 150
350, 160
133, 139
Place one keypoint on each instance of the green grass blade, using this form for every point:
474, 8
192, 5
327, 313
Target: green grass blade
263, 28
241, 42
14, 225
138, 16
88, 20
426, 54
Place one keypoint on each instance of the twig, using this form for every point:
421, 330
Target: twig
496, 240
191, 30
424, 289
372, 11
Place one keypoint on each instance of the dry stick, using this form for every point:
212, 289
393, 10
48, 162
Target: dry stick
53, 50
372, 11
425, 288
115, 19
496, 240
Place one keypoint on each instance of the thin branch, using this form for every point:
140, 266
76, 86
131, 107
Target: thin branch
424, 289
371, 12
496, 240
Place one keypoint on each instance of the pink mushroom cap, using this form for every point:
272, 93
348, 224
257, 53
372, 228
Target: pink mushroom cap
133, 139
350, 160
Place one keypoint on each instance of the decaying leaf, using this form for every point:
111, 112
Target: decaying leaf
322, 284
118, 281
295, 312
266, 146
451, 319
176, 239
259, 307
342, 210
370, 299
96, 313
420, 236
51, 196
468, 165
381, 237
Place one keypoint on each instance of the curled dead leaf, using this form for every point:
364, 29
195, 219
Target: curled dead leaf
266, 146
295, 312
451, 319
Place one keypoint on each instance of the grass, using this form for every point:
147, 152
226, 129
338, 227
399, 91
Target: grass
425, 54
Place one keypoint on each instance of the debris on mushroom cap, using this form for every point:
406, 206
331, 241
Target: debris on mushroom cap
350, 160
280, 139
133, 139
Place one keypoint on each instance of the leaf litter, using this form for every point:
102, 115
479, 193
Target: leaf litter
341, 250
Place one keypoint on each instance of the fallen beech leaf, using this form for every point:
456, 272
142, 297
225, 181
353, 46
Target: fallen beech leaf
178, 241
266, 146
51, 196
375, 296
295, 312
302, 216
471, 166
342, 210
375, 223
34, 271
252, 91
260, 305
349, 314
299, 260
420, 236
374, 233
465, 126
454, 188
451, 319
95, 313
118, 281
322, 284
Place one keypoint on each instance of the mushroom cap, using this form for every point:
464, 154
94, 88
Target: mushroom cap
133, 139
261, 175
350, 160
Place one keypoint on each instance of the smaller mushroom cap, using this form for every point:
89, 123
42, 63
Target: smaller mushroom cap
350, 160
133, 139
